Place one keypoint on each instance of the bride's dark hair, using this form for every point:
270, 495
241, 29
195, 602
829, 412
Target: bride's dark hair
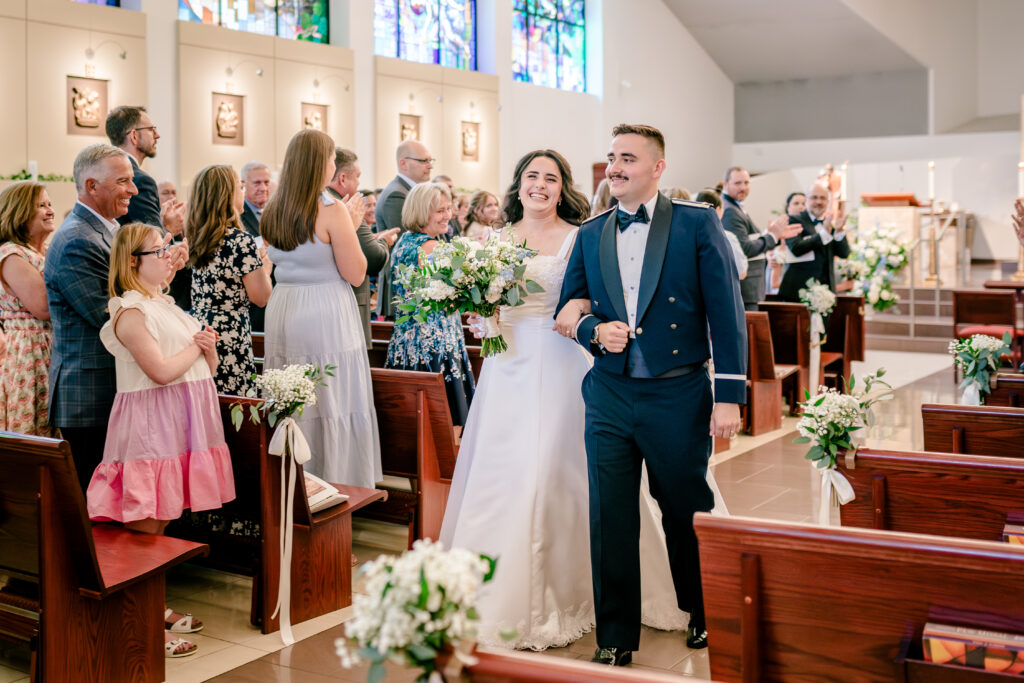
572, 207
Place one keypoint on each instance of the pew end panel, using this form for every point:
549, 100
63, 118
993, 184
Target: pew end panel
975, 430
792, 601
1007, 391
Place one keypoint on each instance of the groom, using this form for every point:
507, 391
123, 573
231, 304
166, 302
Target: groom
659, 275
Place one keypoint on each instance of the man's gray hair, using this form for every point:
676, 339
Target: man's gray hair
89, 158
251, 166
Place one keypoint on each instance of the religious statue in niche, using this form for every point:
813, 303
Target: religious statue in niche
86, 106
228, 119
314, 116
470, 141
408, 127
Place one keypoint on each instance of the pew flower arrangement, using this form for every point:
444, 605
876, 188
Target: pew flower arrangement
416, 606
978, 357
464, 276
285, 393
876, 258
829, 420
818, 297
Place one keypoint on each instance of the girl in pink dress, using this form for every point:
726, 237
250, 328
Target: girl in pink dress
165, 448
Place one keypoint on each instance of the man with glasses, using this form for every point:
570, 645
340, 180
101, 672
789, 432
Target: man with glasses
414, 167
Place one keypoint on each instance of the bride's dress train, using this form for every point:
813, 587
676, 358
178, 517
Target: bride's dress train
520, 491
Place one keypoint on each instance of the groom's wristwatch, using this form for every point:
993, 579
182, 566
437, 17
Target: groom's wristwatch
594, 335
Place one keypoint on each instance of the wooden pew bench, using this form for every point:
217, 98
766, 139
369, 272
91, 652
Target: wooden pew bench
88, 600
790, 329
977, 430
418, 449
791, 601
967, 496
766, 381
322, 546
846, 336
1008, 390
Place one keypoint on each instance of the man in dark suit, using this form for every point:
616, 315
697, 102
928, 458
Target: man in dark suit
754, 243
658, 275
82, 379
255, 176
822, 239
414, 166
131, 130
345, 188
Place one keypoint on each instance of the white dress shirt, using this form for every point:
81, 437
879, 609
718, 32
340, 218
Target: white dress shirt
630, 246
112, 226
825, 235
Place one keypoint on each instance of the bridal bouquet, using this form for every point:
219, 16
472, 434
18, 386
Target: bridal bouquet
415, 606
285, 392
463, 276
828, 422
979, 357
876, 258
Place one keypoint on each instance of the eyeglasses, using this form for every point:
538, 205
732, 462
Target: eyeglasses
160, 253
430, 161
152, 128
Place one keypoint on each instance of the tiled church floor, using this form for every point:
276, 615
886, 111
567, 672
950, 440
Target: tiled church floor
763, 477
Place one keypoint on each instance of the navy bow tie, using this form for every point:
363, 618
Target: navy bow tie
627, 219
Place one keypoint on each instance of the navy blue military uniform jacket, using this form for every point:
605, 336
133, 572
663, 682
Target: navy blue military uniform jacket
688, 287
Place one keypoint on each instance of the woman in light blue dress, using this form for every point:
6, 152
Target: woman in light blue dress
312, 315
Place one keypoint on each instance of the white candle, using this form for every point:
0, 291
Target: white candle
842, 183
1020, 180
931, 180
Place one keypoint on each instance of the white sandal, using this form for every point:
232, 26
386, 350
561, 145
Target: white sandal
183, 625
171, 646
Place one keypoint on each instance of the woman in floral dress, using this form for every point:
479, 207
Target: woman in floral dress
229, 270
26, 220
438, 344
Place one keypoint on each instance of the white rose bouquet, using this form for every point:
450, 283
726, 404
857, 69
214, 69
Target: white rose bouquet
828, 422
978, 357
876, 258
415, 606
463, 276
818, 297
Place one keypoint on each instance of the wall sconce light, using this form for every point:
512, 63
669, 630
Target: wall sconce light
230, 71
90, 52
317, 81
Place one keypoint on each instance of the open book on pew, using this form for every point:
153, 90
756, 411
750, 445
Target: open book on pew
973, 648
322, 495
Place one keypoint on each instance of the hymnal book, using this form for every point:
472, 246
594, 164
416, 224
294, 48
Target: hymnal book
320, 494
974, 648
1014, 534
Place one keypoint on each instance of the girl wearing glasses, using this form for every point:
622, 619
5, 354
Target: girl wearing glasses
165, 449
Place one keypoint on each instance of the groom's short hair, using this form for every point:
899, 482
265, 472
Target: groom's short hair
649, 132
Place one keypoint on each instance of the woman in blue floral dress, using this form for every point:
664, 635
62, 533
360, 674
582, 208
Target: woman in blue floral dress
437, 344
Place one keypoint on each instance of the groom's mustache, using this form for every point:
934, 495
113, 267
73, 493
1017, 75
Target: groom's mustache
617, 176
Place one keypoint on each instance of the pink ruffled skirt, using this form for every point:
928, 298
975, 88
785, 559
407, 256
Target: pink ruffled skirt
165, 452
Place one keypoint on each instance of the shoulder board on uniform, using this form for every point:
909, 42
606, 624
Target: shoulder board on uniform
599, 215
692, 204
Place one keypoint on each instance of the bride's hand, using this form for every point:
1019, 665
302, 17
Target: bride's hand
475, 321
565, 322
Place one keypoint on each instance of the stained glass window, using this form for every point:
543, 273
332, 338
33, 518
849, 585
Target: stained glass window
548, 45
298, 19
427, 31
105, 3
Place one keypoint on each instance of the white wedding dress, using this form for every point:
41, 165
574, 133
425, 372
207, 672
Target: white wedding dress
520, 491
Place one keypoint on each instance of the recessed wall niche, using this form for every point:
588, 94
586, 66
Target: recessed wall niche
470, 141
228, 124
408, 127
314, 116
86, 106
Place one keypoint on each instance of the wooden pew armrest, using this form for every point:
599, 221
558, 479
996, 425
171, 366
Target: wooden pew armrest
784, 371
126, 557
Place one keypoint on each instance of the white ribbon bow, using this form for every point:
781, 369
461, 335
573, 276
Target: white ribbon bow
971, 395
817, 333
288, 440
491, 328
835, 489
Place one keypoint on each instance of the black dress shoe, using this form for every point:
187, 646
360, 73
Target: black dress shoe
696, 639
612, 656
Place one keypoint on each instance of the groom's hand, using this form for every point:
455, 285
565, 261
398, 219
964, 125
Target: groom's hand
613, 336
725, 420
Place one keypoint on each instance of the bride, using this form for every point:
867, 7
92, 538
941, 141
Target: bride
520, 488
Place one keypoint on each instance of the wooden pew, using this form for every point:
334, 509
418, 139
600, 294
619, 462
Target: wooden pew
504, 666
977, 430
88, 600
766, 380
322, 546
791, 601
967, 496
790, 327
418, 444
379, 353
846, 335
1007, 391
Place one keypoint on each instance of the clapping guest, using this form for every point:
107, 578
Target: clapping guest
165, 450
710, 196
484, 213
168, 191
821, 240
229, 272
26, 221
256, 181
312, 315
437, 344
369, 216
